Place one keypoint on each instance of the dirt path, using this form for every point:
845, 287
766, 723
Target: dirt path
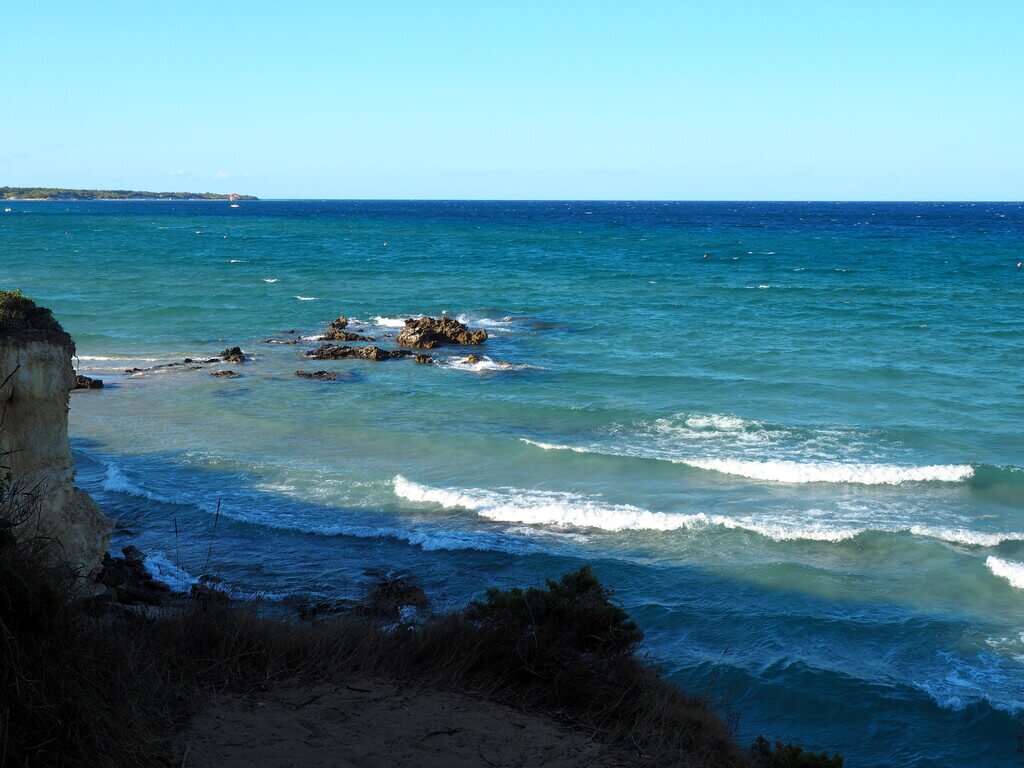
377, 724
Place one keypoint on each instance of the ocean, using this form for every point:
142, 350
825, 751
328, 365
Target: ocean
789, 435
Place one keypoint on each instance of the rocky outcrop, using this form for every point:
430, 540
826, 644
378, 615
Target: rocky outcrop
423, 359
339, 335
335, 352
233, 355
430, 332
225, 374
129, 581
87, 382
35, 379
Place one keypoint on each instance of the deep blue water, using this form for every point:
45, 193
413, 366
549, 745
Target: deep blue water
790, 435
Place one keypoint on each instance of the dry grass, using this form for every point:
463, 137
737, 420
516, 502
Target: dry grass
111, 691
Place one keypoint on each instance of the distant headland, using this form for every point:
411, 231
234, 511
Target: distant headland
55, 193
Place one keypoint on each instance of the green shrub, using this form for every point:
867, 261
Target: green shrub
575, 616
790, 756
20, 313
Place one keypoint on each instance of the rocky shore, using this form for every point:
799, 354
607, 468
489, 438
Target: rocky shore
104, 665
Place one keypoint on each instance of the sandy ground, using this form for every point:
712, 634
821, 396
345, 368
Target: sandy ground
376, 724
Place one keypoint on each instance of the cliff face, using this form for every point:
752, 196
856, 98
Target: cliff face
34, 444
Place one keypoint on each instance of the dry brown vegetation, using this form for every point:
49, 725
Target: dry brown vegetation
112, 687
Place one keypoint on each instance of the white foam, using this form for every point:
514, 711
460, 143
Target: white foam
720, 422
393, 322
306, 298
166, 572
1006, 569
575, 511
834, 472
270, 279
561, 509
116, 481
486, 364
554, 446
233, 261
963, 536
784, 471
318, 337
485, 322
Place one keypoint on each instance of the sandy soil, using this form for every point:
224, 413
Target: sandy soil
377, 724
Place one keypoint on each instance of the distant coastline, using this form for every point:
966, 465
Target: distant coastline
27, 194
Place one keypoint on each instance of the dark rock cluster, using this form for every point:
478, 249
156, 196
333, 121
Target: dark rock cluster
233, 355
87, 382
431, 332
128, 580
337, 352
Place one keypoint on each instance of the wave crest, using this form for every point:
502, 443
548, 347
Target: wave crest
1007, 569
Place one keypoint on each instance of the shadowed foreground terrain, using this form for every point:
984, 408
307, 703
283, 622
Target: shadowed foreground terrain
541, 676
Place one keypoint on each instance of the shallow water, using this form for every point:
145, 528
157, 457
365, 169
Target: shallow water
789, 435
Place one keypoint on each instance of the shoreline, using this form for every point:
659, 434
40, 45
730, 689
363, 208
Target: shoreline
126, 200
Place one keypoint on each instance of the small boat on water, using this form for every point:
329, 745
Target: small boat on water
234, 205
7, 210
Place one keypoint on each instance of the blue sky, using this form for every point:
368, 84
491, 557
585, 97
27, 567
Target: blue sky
628, 100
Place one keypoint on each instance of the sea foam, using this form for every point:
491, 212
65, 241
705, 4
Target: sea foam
1006, 569
393, 322
573, 510
116, 481
486, 364
834, 472
166, 572
788, 471
570, 510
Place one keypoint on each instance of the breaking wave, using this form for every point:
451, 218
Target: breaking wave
393, 322
797, 472
163, 570
1007, 569
834, 472
487, 364
570, 510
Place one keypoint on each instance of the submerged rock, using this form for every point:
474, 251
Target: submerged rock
129, 581
430, 332
423, 359
87, 382
225, 374
390, 595
233, 355
336, 352
280, 341
325, 375
209, 591
339, 335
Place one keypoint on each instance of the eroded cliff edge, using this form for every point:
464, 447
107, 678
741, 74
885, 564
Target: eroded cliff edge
36, 378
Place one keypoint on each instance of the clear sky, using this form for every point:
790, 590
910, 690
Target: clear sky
629, 100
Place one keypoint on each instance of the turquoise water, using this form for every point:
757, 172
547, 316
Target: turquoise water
789, 435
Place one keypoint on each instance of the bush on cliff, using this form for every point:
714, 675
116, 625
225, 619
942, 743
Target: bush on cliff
113, 690
20, 313
790, 756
